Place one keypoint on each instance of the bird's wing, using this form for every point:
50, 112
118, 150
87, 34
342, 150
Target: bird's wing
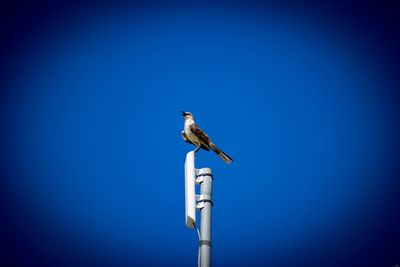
203, 137
184, 137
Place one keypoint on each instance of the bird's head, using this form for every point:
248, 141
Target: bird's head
187, 115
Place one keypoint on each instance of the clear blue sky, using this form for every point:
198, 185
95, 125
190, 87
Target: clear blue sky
302, 98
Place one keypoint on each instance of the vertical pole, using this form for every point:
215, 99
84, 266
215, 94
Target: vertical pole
205, 177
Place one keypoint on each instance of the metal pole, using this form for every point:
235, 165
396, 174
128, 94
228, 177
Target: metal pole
204, 177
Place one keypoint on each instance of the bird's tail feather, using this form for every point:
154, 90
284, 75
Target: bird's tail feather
221, 154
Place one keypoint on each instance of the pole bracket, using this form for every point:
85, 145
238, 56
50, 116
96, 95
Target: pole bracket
204, 242
201, 199
202, 173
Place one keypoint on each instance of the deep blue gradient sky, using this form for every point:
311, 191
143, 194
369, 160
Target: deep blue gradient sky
305, 98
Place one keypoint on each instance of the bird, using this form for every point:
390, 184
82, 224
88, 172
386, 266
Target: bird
192, 134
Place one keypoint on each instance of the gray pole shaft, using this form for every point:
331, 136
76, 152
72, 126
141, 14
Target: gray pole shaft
205, 242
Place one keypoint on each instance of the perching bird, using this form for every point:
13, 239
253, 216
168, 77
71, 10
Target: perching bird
193, 134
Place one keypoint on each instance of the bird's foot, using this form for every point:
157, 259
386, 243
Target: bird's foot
196, 150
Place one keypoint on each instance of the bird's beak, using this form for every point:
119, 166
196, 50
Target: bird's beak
183, 113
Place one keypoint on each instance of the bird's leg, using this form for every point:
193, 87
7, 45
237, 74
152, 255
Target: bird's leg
197, 150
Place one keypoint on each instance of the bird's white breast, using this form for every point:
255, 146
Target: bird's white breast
188, 132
